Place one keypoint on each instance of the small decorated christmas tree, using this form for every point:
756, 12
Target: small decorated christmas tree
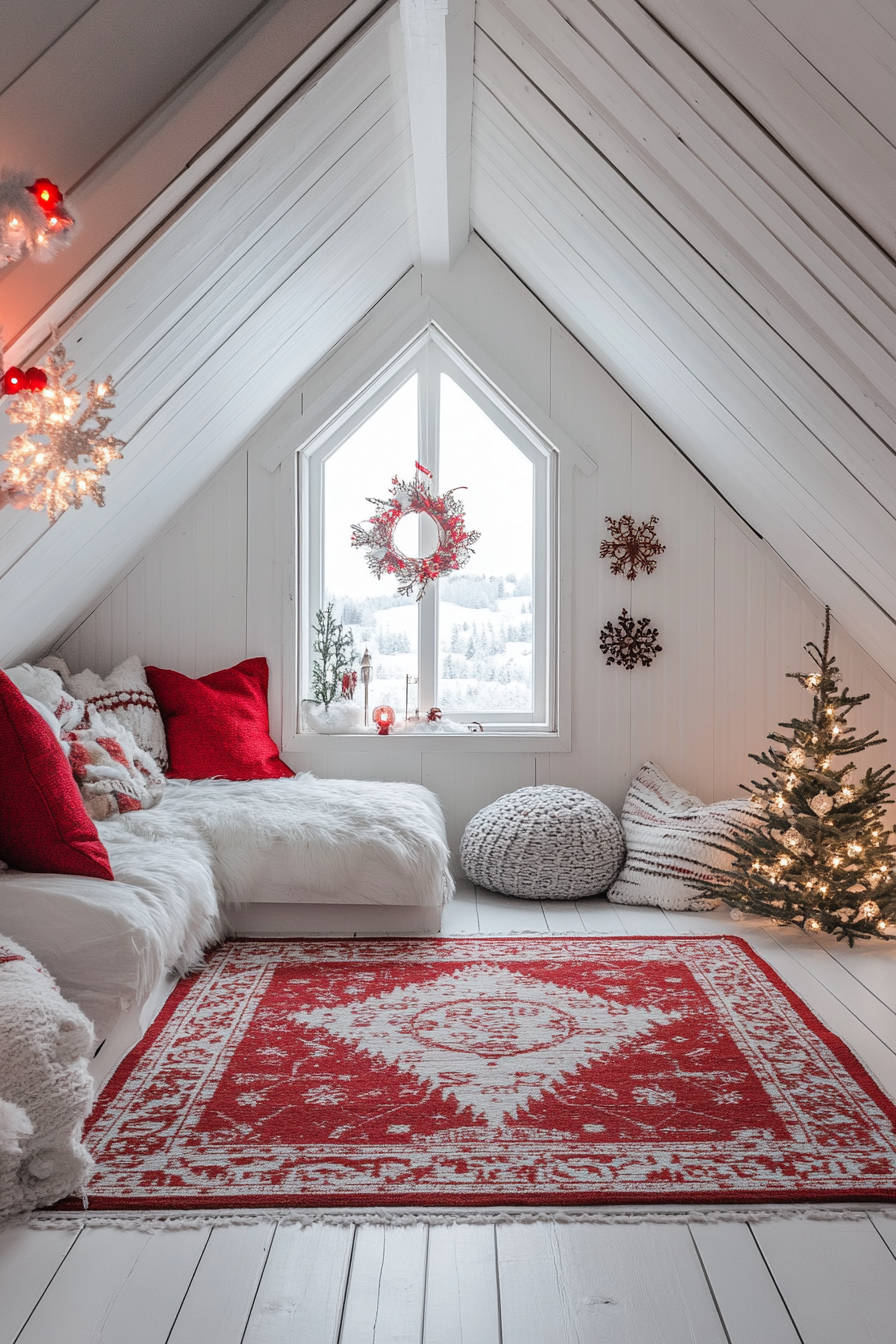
819, 855
336, 649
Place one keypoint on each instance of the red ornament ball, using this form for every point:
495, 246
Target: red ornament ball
34, 379
13, 381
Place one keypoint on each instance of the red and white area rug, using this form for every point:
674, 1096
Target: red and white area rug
486, 1072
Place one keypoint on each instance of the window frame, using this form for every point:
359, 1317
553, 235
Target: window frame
430, 356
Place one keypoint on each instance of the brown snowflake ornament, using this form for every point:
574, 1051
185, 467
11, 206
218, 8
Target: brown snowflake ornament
630, 642
633, 547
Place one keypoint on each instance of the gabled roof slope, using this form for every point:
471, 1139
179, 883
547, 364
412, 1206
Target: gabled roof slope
733, 300
289, 246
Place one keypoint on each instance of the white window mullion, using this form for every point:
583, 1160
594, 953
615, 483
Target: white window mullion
429, 458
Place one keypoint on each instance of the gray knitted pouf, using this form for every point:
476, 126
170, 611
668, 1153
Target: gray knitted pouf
545, 842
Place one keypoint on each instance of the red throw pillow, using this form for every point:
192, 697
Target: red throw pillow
43, 825
217, 726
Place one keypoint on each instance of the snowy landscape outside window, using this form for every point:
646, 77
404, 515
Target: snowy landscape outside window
477, 644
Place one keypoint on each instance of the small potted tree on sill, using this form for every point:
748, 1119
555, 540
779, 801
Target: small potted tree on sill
332, 708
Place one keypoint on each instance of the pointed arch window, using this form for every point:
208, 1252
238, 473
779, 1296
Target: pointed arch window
479, 644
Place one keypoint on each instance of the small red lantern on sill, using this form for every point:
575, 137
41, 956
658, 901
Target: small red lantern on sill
383, 717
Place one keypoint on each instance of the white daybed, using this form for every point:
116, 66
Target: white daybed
289, 854
278, 857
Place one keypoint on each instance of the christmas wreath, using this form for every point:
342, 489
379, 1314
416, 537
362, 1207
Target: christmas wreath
455, 543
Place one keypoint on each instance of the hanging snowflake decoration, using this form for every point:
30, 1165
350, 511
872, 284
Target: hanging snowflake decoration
33, 218
630, 642
633, 546
455, 545
57, 463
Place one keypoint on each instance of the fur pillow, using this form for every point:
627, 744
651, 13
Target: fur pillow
125, 693
40, 683
671, 840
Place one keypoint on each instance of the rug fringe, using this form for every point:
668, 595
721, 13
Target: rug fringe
143, 1221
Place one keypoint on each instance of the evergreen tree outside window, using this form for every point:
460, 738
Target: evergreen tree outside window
478, 644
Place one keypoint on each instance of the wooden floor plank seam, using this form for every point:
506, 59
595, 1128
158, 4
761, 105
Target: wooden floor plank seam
711, 1287
777, 1286
348, 1279
45, 1288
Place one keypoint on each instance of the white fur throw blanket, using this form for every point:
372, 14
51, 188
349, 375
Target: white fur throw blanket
336, 841
45, 1090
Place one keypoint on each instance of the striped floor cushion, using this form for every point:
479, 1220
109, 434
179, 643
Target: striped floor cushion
670, 837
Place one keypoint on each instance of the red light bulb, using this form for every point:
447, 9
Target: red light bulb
46, 193
13, 381
384, 717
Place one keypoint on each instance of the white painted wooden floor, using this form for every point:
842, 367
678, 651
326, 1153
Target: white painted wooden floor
759, 1282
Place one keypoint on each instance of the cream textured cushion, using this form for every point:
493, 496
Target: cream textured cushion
671, 839
45, 1089
125, 695
545, 842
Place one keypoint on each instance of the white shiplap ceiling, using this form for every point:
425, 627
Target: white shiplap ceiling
295, 239
707, 201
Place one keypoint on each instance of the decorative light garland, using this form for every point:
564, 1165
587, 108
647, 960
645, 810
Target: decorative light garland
46, 464
455, 544
33, 217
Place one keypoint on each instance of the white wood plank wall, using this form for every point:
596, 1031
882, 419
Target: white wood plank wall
732, 617
184, 603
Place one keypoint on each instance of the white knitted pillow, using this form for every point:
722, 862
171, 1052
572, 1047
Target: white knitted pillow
126, 695
670, 837
45, 1089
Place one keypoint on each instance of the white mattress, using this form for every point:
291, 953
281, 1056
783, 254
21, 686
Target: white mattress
107, 944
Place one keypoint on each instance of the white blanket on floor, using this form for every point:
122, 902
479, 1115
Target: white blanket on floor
45, 1089
327, 841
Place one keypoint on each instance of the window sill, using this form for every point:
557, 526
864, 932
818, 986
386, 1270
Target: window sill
319, 743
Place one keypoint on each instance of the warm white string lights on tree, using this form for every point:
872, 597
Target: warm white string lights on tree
820, 854
57, 462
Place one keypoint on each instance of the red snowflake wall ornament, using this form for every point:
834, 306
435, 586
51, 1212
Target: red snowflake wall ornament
633, 546
630, 642
455, 543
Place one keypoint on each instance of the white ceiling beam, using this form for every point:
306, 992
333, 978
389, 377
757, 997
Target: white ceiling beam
438, 46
